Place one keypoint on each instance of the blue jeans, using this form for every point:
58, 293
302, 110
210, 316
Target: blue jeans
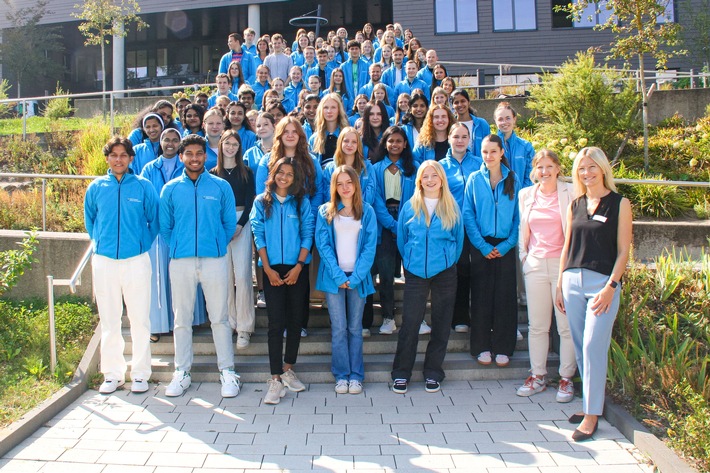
345, 309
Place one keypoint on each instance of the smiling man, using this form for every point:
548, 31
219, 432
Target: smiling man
197, 221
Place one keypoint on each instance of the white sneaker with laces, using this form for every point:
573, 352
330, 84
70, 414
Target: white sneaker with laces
388, 327
230, 383
243, 340
180, 382
565, 390
424, 328
355, 387
341, 386
111, 385
139, 386
532, 385
260, 300
275, 391
292, 382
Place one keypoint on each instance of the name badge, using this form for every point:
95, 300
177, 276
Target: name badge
599, 218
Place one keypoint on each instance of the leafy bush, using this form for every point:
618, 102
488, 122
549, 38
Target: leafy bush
583, 102
4, 107
14, 263
689, 419
702, 209
658, 201
59, 107
88, 149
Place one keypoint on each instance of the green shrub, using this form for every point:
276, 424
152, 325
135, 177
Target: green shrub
14, 263
5, 108
658, 201
583, 102
689, 420
60, 107
88, 150
702, 209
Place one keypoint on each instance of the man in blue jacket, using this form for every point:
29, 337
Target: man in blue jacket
197, 221
121, 216
240, 54
354, 71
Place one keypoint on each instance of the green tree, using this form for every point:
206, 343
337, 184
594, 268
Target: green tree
102, 19
638, 33
26, 45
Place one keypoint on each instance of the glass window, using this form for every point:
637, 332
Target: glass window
509, 15
669, 15
456, 16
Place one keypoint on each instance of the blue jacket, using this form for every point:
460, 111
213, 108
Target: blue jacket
252, 156
367, 90
367, 181
121, 217
259, 90
197, 219
248, 66
409, 131
136, 136
292, 91
330, 276
363, 77
145, 153
285, 232
212, 100
211, 160
313, 71
481, 129
384, 219
247, 137
153, 171
425, 75
389, 77
423, 153
457, 173
490, 213
520, 154
318, 156
322, 191
427, 251
406, 87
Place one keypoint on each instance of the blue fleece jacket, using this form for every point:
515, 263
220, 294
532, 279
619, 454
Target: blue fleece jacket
145, 153
121, 216
427, 251
197, 218
252, 156
407, 86
520, 154
313, 71
367, 90
247, 137
363, 77
330, 276
384, 219
367, 181
155, 172
490, 213
288, 229
248, 66
457, 173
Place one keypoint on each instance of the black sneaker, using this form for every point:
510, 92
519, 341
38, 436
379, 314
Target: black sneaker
399, 386
432, 386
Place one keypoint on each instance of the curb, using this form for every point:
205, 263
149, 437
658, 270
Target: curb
665, 459
18, 431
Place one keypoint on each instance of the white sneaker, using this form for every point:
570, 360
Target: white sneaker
111, 385
388, 327
304, 333
275, 391
355, 387
461, 328
341, 386
230, 383
243, 340
139, 386
519, 336
532, 385
565, 390
485, 358
260, 300
181, 381
502, 360
366, 333
424, 328
292, 382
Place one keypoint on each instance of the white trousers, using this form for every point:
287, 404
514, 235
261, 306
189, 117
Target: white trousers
540, 275
185, 274
116, 281
241, 302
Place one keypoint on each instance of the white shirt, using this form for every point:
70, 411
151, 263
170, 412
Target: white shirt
347, 231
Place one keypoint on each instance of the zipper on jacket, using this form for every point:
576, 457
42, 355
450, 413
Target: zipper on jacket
282, 234
118, 239
195, 185
426, 253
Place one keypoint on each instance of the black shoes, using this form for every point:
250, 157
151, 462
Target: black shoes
576, 418
432, 386
579, 436
399, 386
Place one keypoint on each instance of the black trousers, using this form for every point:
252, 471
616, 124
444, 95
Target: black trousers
284, 307
462, 305
494, 310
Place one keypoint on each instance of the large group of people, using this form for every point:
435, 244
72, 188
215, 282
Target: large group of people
344, 164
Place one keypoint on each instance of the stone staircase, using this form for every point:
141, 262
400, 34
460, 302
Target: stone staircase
314, 357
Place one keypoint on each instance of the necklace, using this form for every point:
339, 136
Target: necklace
230, 170
345, 212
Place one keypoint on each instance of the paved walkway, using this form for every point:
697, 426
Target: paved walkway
477, 426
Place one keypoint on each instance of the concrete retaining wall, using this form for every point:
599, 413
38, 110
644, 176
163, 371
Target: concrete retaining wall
59, 253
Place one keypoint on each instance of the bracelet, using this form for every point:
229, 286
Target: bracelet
302, 263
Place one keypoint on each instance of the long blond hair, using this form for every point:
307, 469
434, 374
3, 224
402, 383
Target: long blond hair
598, 156
339, 156
332, 208
321, 131
446, 209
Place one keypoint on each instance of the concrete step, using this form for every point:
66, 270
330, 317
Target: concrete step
316, 368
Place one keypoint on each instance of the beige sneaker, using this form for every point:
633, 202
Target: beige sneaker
292, 382
275, 392
243, 340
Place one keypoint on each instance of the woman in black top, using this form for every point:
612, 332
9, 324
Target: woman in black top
231, 167
597, 243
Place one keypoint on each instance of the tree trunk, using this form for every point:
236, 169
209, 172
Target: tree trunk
644, 112
103, 76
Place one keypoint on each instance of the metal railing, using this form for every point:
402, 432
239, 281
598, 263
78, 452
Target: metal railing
72, 282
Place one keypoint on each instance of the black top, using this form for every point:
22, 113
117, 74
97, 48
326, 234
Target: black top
593, 239
440, 149
244, 190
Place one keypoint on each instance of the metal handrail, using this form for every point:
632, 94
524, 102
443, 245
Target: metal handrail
74, 281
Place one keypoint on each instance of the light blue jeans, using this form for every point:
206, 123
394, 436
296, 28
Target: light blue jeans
591, 333
345, 309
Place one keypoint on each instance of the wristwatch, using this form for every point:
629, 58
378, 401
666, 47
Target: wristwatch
303, 264
613, 284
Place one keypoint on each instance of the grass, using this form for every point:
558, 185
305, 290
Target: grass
13, 126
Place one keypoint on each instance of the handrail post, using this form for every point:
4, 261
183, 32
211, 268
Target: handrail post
52, 330
24, 119
44, 205
112, 114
